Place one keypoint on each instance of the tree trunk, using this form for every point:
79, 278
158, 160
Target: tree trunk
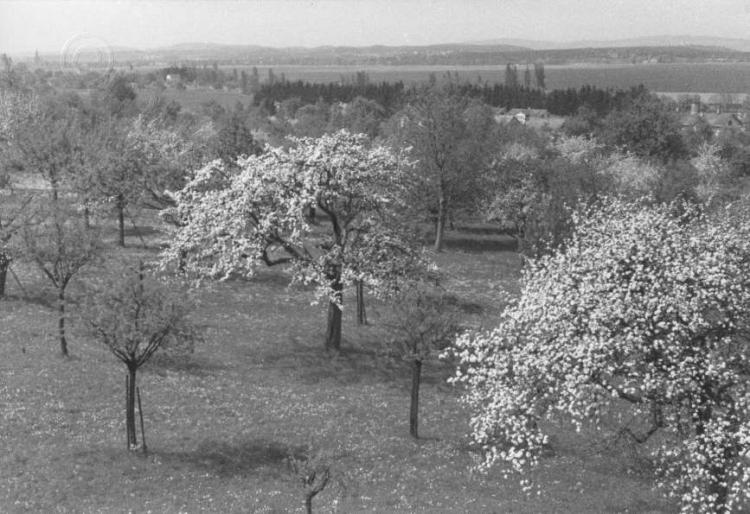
182, 260
130, 407
333, 330
361, 312
416, 377
86, 217
127, 399
4, 265
61, 322
121, 221
308, 503
440, 225
53, 187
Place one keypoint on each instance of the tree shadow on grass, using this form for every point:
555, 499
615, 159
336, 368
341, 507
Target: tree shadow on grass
141, 231
235, 459
273, 277
161, 363
38, 298
481, 244
483, 229
474, 240
355, 364
312, 364
464, 305
352, 364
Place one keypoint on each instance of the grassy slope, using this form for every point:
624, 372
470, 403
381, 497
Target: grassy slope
221, 422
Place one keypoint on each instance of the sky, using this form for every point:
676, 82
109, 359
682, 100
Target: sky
50, 25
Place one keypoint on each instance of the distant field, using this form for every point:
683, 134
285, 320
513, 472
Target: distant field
718, 78
707, 79
191, 99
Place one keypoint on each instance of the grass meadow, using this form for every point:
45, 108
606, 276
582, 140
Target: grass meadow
221, 422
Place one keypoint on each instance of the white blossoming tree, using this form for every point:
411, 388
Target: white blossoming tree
232, 221
643, 312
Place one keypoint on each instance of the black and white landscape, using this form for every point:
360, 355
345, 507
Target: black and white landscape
359, 256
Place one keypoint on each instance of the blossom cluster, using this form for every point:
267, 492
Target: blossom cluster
645, 309
232, 220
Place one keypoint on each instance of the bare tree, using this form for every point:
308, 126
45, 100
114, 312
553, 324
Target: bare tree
425, 320
134, 316
48, 144
314, 471
60, 245
114, 167
450, 140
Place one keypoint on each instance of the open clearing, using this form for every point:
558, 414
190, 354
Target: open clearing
221, 422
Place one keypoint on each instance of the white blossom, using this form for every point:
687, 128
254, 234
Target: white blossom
231, 221
646, 310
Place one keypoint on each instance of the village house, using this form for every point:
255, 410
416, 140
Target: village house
521, 116
173, 80
720, 124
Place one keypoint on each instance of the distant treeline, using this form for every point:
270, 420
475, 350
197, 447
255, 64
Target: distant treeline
392, 95
435, 55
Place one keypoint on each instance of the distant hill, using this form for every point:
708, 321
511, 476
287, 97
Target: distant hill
326, 54
741, 45
661, 49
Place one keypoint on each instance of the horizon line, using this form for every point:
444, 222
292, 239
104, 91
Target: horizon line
483, 42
